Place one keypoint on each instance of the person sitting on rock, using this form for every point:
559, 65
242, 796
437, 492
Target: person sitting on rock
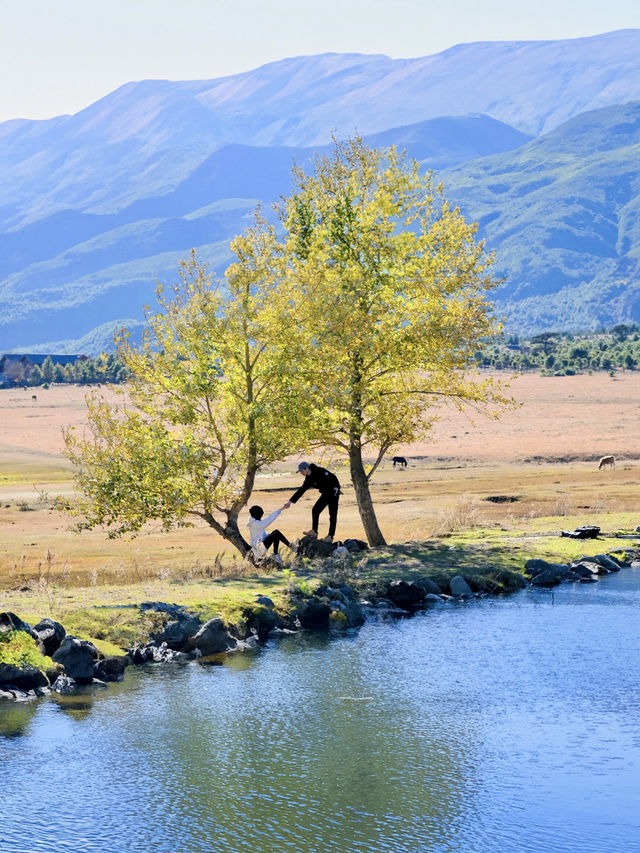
328, 485
260, 540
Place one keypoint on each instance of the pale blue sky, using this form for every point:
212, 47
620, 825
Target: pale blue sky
58, 56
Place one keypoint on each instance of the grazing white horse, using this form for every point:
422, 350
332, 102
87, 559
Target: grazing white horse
607, 462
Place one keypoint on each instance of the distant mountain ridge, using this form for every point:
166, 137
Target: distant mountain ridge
97, 207
563, 214
65, 268
148, 136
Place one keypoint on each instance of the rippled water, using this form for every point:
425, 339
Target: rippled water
494, 725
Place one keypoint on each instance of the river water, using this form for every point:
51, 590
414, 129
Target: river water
494, 725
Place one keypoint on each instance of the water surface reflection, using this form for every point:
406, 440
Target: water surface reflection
500, 725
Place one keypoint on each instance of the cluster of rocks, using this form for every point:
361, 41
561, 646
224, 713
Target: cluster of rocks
584, 570
410, 596
313, 548
75, 662
181, 635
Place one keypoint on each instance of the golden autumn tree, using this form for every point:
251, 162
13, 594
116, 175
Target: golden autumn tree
391, 292
204, 408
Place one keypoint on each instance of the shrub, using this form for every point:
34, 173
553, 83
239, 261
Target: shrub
20, 649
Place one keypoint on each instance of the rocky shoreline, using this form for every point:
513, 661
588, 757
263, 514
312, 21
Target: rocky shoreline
181, 635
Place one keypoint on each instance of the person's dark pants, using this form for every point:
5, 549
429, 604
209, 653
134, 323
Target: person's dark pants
275, 538
325, 500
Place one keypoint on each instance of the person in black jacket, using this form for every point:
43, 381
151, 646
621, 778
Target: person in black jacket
327, 484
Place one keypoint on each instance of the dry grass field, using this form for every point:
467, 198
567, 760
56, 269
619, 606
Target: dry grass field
542, 456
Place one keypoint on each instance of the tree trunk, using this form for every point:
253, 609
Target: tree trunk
230, 531
363, 497
232, 534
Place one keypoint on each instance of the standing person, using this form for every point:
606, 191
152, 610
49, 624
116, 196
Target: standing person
260, 540
327, 484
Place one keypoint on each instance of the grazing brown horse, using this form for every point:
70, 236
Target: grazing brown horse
607, 462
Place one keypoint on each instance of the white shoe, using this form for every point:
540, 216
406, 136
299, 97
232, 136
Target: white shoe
277, 559
294, 545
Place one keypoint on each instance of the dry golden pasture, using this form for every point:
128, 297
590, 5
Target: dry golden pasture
544, 454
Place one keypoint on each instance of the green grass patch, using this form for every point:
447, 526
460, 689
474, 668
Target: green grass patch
19, 649
110, 629
491, 558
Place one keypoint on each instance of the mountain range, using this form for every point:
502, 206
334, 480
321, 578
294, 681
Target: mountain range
537, 141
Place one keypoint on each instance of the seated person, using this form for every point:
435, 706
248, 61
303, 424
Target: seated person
260, 540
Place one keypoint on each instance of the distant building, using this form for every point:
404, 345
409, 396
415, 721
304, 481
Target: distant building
15, 367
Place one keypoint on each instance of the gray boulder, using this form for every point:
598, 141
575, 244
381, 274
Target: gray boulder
355, 545
585, 569
313, 614
543, 573
261, 620
63, 685
311, 547
110, 668
552, 575
24, 678
50, 635
383, 604
337, 592
6, 693
77, 657
406, 596
347, 592
174, 610
594, 567
153, 653
607, 562
178, 632
536, 566
458, 586
428, 585
18, 695
212, 638
352, 612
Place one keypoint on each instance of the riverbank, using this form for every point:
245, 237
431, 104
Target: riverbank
330, 594
478, 500
505, 723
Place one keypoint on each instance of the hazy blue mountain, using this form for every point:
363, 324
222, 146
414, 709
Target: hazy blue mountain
563, 213
147, 137
97, 341
440, 143
64, 274
98, 207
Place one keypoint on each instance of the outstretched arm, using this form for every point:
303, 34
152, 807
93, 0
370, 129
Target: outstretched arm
267, 521
303, 488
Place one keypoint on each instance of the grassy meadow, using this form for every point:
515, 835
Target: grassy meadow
538, 463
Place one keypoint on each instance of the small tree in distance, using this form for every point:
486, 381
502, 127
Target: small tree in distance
390, 287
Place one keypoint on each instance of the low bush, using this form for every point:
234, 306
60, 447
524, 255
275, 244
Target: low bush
19, 649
